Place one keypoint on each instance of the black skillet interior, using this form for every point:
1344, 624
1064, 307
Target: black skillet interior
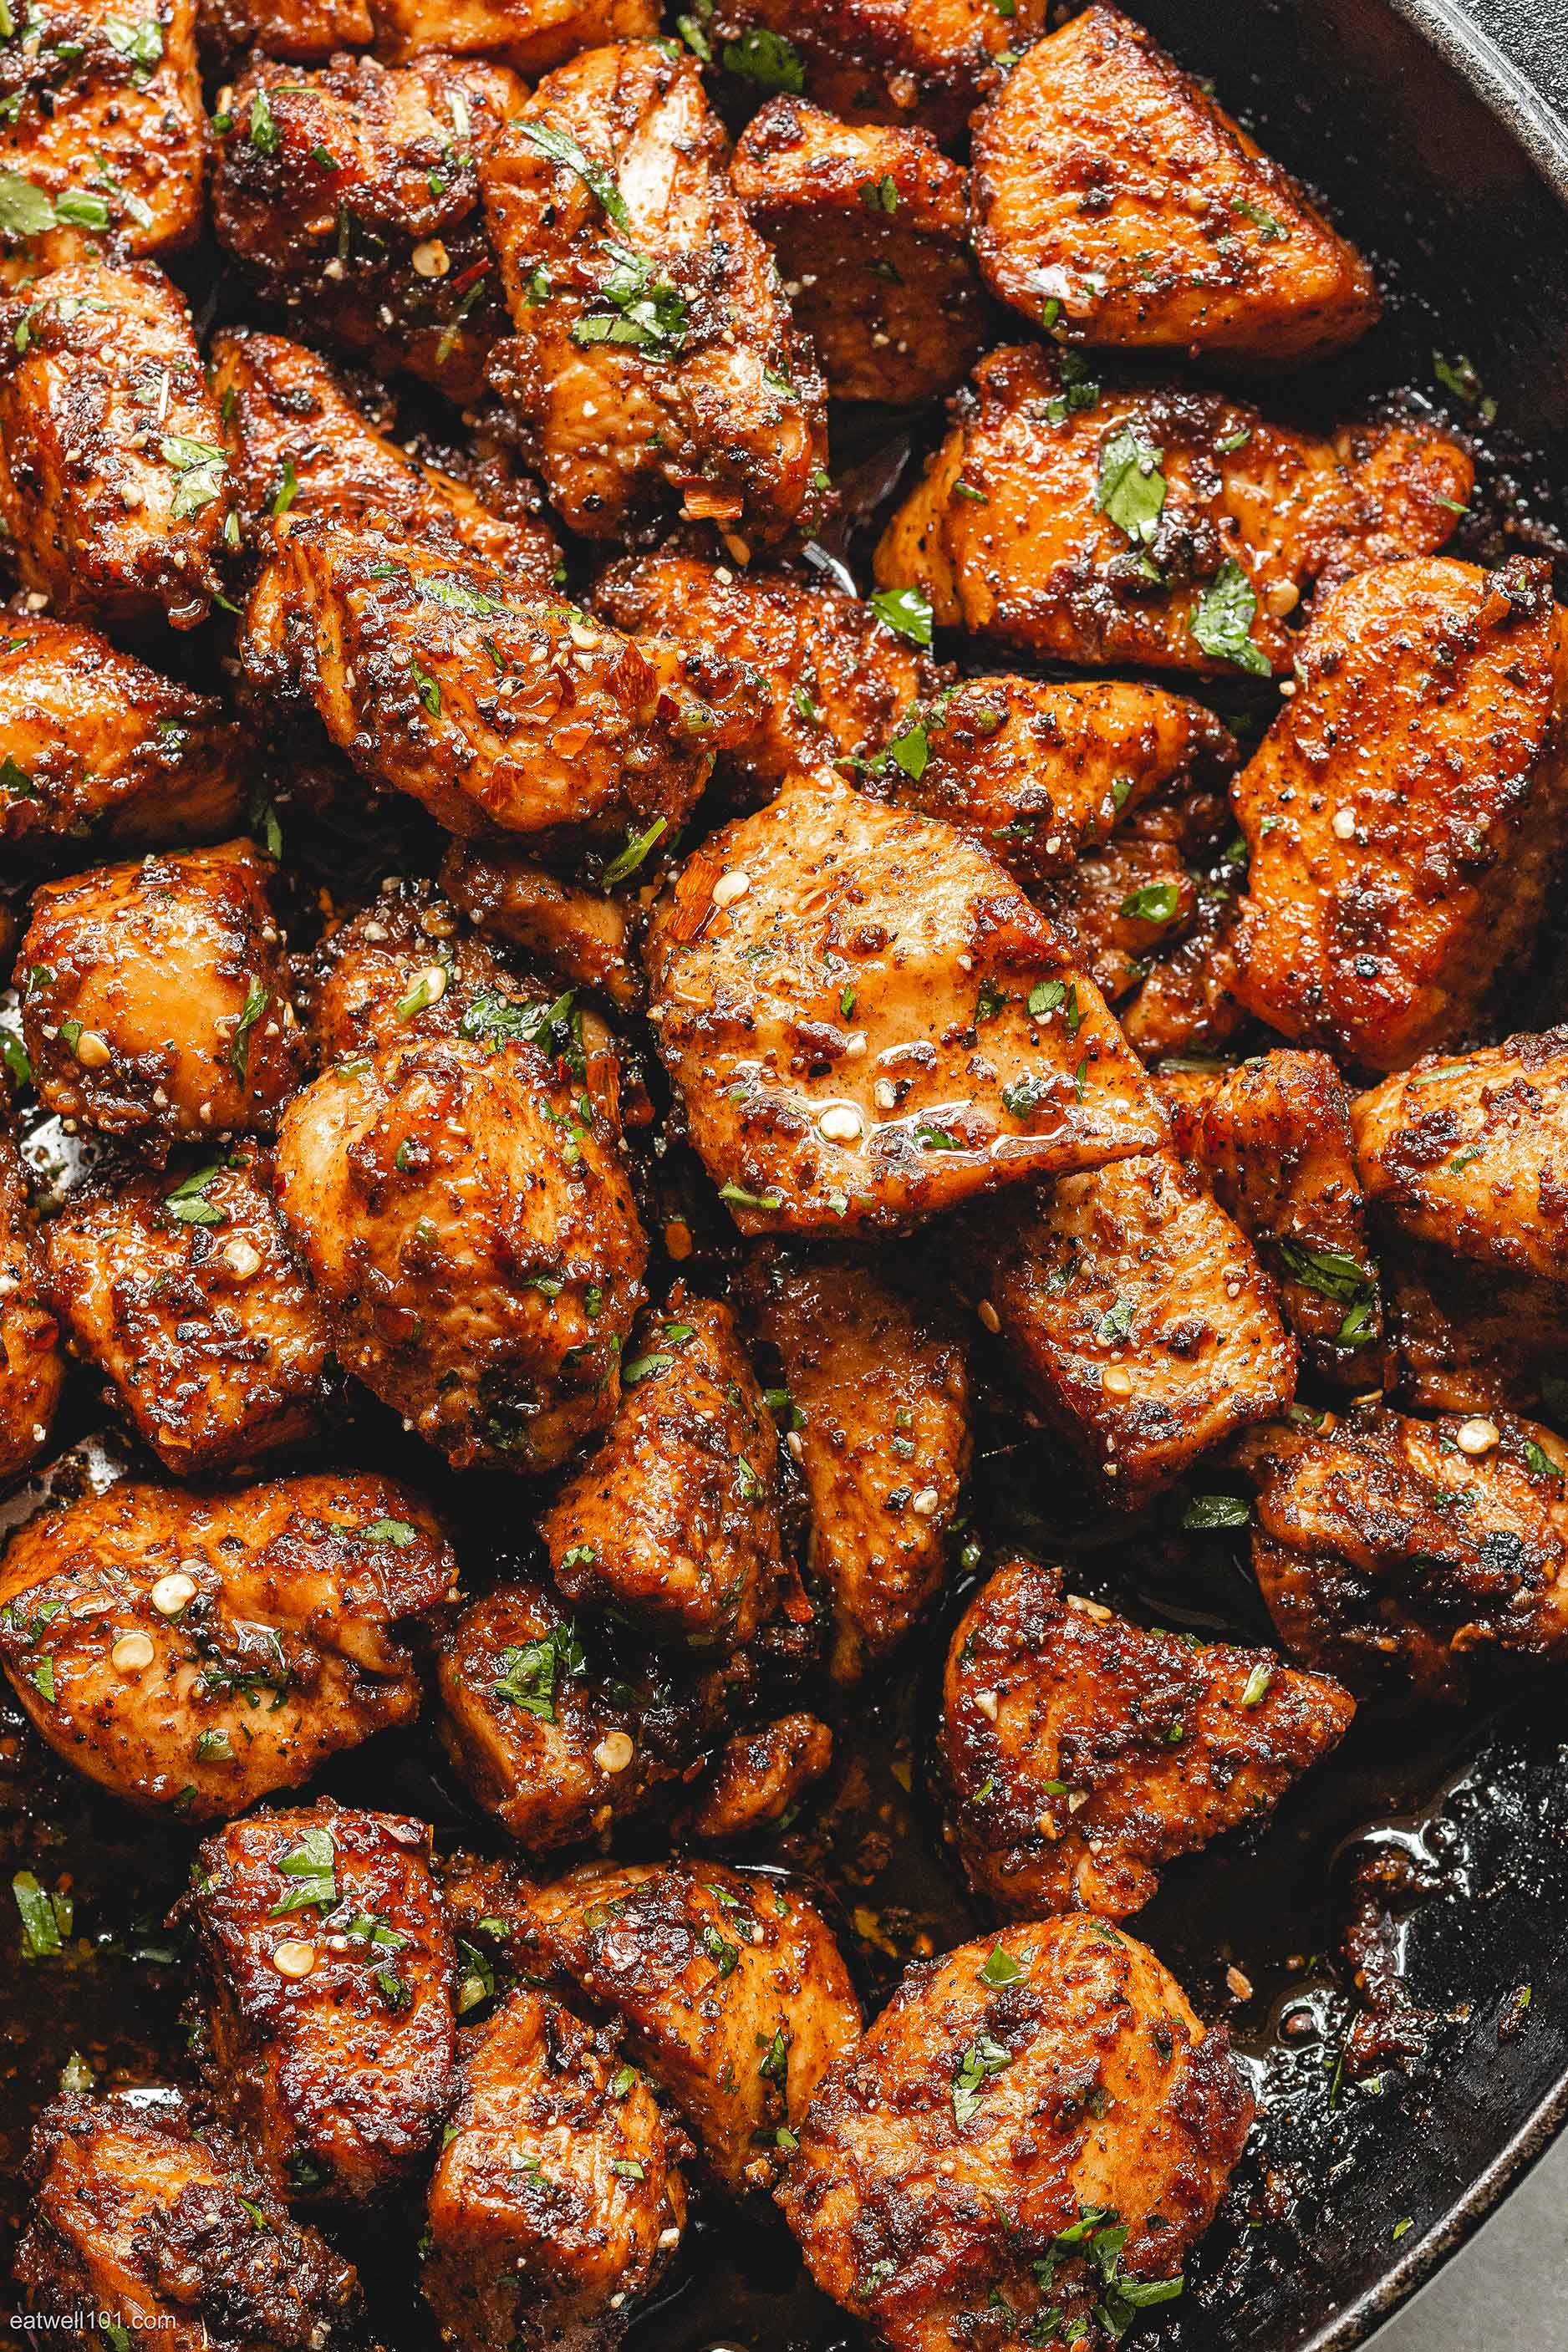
1432, 1857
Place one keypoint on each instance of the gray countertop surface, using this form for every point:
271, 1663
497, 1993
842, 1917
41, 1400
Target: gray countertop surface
1509, 2288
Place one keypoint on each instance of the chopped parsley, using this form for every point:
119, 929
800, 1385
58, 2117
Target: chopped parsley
528, 1676
562, 148
1131, 489
983, 2058
313, 1864
906, 610
1223, 616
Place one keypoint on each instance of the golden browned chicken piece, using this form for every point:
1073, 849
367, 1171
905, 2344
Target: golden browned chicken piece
836, 678
350, 194
1042, 773
1401, 814
1471, 1338
1123, 903
929, 62
1116, 203
673, 1521
104, 135
558, 2201
729, 1987
305, 32
878, 1415
1390, 1546
1186, 1005
867, 1021
96, 742
1273, 1139
1138, 1315
492, 707
185, 1292
1473, 1154
194, 1651
1172, 528
32, 1367
587, 936
300, 446
653, 353
327, 2040
462, 1208
870, 229
761, 1777
560, 1733
531, 35
1082, 1753
1037, 2123
114, 488
403, 971
157, 996
172, 2231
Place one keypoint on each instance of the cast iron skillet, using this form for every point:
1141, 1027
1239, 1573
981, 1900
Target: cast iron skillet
1388, 1950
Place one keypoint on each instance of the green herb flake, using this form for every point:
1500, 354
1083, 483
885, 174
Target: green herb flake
562, 148
767, 59
313, 1864
256, 1000
1153, 902
1223, 616
47, 1919
906, 610
528, 1674
1002, 1969
1208, 1511
1131, 489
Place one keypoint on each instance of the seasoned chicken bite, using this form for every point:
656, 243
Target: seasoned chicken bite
729, 1987
1122, 903
1473, 1338
1137, 1313
1473, 1154
871, 226
403, 970
301, 447
113, 483
96, 742
168, 2229
879, 1422
350, 195
185, 1293
531, 35
1401, 813
653, 354
835, 677
561, 1732
558, 2199
1386, 1545
1041, 772
1115, 202
462, 1209
587, 936
195, 1650
761, 1777
104, 134
326, 2039
673, 1521
866, 1022
1168, 528
1081, 1753
305, 32
157, 996
1037, 2125
926, 61
32, 1367
1186, 1003
1273, 1139
494, 709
